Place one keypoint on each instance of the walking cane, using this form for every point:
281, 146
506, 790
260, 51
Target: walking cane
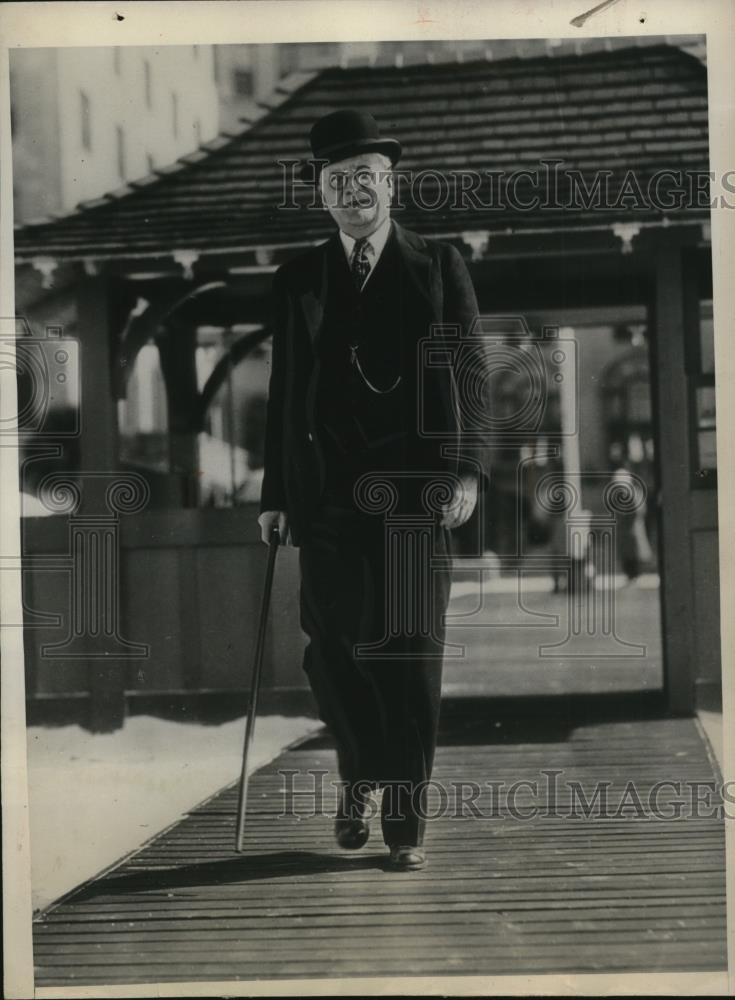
255, 686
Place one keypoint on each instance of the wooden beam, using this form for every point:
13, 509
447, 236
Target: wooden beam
98, 454
669, 385
178, 363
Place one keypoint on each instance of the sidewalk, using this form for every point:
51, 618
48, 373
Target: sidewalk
501, 895
96, 797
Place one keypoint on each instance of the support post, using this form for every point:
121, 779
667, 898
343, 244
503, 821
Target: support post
669, 374
98, 453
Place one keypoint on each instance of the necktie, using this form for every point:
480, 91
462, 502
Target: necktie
360, 263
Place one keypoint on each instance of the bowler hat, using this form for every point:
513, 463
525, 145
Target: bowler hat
346, 133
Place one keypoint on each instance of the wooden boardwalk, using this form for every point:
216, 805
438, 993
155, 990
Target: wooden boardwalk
621, 890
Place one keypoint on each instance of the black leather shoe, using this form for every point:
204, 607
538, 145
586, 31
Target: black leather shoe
350, 826
351, 834
406, 858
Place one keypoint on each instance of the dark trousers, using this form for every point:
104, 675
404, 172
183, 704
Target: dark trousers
383, 709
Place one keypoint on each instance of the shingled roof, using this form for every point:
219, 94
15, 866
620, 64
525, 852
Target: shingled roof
640, 109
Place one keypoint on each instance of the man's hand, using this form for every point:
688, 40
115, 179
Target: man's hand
460, 508
271, 519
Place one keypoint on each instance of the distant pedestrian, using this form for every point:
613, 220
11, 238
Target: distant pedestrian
634, 549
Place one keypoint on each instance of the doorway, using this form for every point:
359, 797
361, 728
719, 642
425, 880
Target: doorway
566, 597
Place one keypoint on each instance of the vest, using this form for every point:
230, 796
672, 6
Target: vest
362, 341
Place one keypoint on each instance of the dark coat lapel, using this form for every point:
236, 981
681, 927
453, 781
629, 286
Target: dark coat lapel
418, 261
314, 297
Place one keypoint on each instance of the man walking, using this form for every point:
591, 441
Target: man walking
343, 450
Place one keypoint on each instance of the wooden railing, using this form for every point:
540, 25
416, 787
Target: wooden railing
189, 587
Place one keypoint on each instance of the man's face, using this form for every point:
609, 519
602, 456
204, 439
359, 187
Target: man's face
357, 192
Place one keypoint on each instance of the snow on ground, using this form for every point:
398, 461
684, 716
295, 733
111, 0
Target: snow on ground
96, 797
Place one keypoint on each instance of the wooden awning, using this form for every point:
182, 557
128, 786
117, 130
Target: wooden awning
634, 111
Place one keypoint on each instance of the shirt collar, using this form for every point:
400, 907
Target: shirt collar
378, 239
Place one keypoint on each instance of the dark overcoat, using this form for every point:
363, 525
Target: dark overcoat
436, 291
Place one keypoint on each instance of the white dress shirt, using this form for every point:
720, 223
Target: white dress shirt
374, 247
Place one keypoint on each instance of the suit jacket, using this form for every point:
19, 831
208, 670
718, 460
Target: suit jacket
437, 290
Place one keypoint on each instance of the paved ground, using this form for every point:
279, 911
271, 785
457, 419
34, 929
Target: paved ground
522, 641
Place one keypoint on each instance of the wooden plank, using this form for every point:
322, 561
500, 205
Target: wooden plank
542, 895
396, 950
628, 958
629, 889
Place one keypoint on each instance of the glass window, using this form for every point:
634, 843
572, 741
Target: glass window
120, 144
148, 84
702, 399
706, 407
47, 369
143, 415
706, 338
639, 402
85, 114
316, 55
233, 368
242, 80
707, 447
